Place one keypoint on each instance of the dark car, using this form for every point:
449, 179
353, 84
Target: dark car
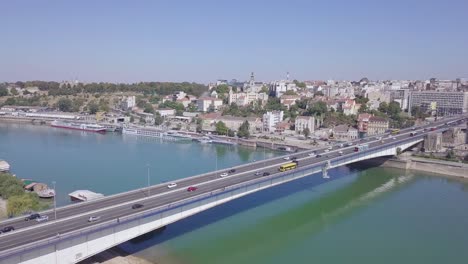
232, 171
266, 173
318, 155
294, 158
191, 189
32, 217
7, 229
136, 206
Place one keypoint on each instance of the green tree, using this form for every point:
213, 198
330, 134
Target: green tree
148, 108
290, 92
3, 91
383, 107
264, 90
14, 91
231, 133
363, 109
244, 131
222, 89
65, 104
93, 108
306, 132
158, 119
450, 154
221, 128
394, 109
317, 108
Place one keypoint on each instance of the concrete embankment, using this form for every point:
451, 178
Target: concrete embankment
448, 168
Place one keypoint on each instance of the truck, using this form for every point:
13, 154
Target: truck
361, 147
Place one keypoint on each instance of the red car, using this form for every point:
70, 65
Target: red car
191, 189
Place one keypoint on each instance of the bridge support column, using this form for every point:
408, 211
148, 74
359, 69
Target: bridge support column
325, 170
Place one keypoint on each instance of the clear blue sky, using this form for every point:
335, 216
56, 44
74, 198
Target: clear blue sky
129, 41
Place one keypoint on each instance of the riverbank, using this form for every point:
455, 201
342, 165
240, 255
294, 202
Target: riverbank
446, 168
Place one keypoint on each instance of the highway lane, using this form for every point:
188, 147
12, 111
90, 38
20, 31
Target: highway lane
107, 214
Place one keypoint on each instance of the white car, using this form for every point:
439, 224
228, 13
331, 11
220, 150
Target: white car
286, 158
340, 152
93, 218
327, 150
313, 155
394, 138
172, 185
341, 145
224, 174
330, 147
42, 218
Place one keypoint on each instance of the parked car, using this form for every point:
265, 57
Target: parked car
191, 189
224, 174
42, 218
266, 173
232, 171
32, 217
136, 206
7, 229
94, 218
172, 185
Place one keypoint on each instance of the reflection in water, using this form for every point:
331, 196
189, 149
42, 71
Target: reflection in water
294, 226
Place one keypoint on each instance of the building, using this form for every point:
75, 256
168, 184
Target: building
221, 82
246, 98
278, 88
166, 112
453, 137
303, 122
209, 121
401, 96
205, 104
345, 133
377, 125
270, 119
128, 103
363, 122
178, 95
289, 100
440, 102
433, 142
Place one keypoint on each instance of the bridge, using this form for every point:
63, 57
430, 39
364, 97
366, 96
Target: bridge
70, 238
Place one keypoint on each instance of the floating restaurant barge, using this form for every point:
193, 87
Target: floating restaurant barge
155, 133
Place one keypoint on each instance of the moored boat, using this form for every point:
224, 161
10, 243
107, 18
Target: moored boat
79, 126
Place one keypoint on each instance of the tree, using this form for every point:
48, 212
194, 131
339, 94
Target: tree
3, 91
363, 109
290, 92
264, 89
398, 151
306, 132
383, 107
394, 109
244, 131
65, 104
317, 108
14, 91
148, 108
158, 119
231, 133
222, 89
199, 125
221, 128
450, 154
93, 108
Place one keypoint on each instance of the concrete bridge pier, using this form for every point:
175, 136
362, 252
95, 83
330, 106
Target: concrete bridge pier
325, 168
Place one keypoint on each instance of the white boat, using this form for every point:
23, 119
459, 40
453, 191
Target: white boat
46, 193
78, 126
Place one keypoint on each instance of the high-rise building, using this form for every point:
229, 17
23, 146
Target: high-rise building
443, 103
270, 119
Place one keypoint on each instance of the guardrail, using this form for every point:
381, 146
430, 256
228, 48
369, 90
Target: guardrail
200, 197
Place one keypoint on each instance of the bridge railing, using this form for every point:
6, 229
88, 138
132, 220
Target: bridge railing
203, 196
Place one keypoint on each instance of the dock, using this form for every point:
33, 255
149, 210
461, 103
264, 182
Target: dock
84, 195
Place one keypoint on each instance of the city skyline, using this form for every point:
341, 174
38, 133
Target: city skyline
117, 41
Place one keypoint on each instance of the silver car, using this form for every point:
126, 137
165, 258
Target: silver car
94, 218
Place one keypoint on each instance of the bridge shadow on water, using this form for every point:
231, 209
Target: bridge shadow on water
337, 199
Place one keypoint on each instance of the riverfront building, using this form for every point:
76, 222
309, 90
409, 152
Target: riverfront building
303, 122
270, 119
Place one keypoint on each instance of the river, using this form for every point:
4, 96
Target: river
372, 215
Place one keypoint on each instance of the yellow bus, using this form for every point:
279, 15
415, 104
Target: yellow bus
288, 166
395, 131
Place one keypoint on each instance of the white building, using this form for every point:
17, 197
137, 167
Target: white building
270, 119
243, 99
278, 88
179, 95
128, 103
303, 122
206, 103
166, 111
221, 82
